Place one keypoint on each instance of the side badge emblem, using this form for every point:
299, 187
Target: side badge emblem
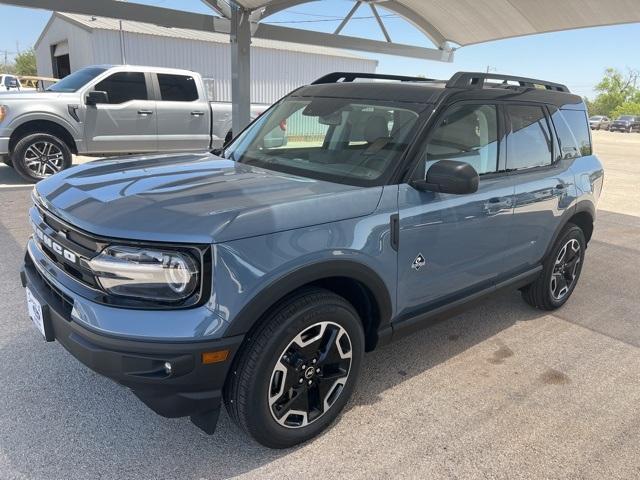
419, 262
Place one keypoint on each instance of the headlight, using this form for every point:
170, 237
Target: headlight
144, 273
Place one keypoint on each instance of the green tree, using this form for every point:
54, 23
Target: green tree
627, 108
615, 89
25, 63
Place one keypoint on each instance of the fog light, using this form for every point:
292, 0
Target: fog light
168, 368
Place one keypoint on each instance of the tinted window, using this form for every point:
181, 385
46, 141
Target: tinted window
177, 88
529, 143
467, 133
124, 86
568, 143
73, 82
577, 121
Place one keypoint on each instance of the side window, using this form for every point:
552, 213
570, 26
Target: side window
568, 143
579, 125
177, 88
124, 86
529, 143
467, 133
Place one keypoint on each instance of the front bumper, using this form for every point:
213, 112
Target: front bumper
4, 145
192, 389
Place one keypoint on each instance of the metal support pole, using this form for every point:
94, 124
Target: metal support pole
240, 68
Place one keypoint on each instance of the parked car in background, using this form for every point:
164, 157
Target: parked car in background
107, 110
9, 83
260, 279
36, 83
626, 123
599, 122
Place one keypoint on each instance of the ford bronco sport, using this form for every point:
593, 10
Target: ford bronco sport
259, 279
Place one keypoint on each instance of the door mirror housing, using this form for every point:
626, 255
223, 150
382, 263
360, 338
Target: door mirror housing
449, 176
97, 96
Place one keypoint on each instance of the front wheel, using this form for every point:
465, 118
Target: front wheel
40, 155
560, 272
298, 370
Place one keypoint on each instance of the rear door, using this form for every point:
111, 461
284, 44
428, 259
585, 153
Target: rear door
544, 184
452, 245
183, 114
127, 123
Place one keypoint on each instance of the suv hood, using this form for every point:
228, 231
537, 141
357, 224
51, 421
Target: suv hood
195, 199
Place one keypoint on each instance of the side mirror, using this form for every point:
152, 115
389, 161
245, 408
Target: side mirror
97, 96
449, 176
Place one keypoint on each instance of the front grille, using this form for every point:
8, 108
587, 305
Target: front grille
64, 300
59, 241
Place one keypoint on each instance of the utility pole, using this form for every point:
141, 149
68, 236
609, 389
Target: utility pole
123, 58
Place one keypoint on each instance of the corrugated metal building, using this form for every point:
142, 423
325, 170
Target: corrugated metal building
69, 42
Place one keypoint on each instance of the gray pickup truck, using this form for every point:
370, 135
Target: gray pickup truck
106, 110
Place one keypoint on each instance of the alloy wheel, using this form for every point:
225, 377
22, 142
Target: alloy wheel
310, 375
43, 159
565, 267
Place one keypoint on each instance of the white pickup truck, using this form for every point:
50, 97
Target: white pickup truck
112, 110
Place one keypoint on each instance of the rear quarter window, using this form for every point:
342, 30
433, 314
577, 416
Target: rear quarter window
579, 126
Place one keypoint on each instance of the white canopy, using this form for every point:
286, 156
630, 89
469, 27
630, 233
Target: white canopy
466, 22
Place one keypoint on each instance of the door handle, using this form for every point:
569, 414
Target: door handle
496, 204
197, 113
145, 112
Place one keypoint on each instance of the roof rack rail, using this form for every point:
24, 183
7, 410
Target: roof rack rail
337, 77
479, 79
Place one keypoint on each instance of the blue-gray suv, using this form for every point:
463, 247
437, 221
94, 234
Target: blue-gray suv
260, 276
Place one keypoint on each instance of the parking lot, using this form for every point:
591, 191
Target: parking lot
502, 391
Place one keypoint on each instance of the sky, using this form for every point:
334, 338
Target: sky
576, 58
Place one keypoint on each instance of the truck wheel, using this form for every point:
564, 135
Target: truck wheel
40, 155
298, 370
560, 272
6, 159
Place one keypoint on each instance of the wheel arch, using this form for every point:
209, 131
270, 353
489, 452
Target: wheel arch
357, 283
43, 126
583, 216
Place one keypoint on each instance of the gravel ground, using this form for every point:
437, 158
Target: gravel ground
502, 391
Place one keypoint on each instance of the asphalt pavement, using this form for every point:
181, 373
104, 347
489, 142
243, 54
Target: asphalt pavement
502, 391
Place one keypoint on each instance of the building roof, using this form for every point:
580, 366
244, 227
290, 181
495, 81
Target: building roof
102, 23
467, 22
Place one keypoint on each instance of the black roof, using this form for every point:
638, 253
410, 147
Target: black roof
462, 86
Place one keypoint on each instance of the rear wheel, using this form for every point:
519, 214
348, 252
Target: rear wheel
40, 155
298, 371
560, 273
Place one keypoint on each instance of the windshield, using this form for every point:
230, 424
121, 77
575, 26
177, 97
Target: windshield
596, 118
626, 117
334, 139
75, 81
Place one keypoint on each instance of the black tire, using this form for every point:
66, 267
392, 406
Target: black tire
546, 294
6, 159
249, 390
34, 168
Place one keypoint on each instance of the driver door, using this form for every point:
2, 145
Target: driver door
128, 123
452, 245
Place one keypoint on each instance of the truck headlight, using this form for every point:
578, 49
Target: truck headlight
146, 273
